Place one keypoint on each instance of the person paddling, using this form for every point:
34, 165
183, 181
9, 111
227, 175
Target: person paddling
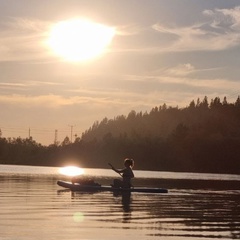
126, 173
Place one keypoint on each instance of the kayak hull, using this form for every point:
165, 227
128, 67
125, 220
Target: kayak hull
87, 188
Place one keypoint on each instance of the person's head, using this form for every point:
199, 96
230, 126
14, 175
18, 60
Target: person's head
129, 162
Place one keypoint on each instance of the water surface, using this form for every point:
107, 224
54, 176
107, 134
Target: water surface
198, 206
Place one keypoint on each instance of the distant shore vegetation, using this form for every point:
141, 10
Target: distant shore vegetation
202, 137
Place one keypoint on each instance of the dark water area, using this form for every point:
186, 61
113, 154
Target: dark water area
33, 206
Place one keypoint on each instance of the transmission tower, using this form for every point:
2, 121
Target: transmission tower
71, 126
56, 137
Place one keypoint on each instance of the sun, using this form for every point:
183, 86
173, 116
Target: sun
79, 40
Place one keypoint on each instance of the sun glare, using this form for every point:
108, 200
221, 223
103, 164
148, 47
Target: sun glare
79, 39
71, 171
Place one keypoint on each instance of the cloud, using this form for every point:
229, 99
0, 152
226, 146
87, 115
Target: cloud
56, 101
12, 85
181, 80
228, 19
220, 32
184, 74
47, 101
180, 70
19, 87
129, 30
23, 39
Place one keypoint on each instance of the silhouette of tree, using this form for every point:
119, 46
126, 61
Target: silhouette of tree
202, 137
66, 141
237, 103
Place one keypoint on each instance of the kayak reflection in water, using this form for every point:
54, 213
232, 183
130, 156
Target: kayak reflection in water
126, 173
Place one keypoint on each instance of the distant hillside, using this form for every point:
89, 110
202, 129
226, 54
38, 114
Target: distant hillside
203, 137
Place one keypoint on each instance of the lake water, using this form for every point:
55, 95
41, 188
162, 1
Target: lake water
198, 206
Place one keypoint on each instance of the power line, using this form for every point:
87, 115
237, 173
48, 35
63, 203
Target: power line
35, 130
43, 133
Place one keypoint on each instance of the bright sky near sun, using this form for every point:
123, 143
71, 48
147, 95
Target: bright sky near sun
66, 64
79, 40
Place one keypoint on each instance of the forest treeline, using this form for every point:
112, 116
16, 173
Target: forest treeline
202, 137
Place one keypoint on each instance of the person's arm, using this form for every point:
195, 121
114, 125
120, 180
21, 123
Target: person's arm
116, 170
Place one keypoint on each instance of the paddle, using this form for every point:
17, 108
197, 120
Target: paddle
113, 168
110, 165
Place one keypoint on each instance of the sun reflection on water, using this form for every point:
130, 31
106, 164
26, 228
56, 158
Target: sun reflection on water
71, 171
78, 217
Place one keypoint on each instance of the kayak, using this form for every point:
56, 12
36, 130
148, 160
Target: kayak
90, 188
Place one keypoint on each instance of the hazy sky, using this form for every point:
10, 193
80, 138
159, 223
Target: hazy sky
163, 52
